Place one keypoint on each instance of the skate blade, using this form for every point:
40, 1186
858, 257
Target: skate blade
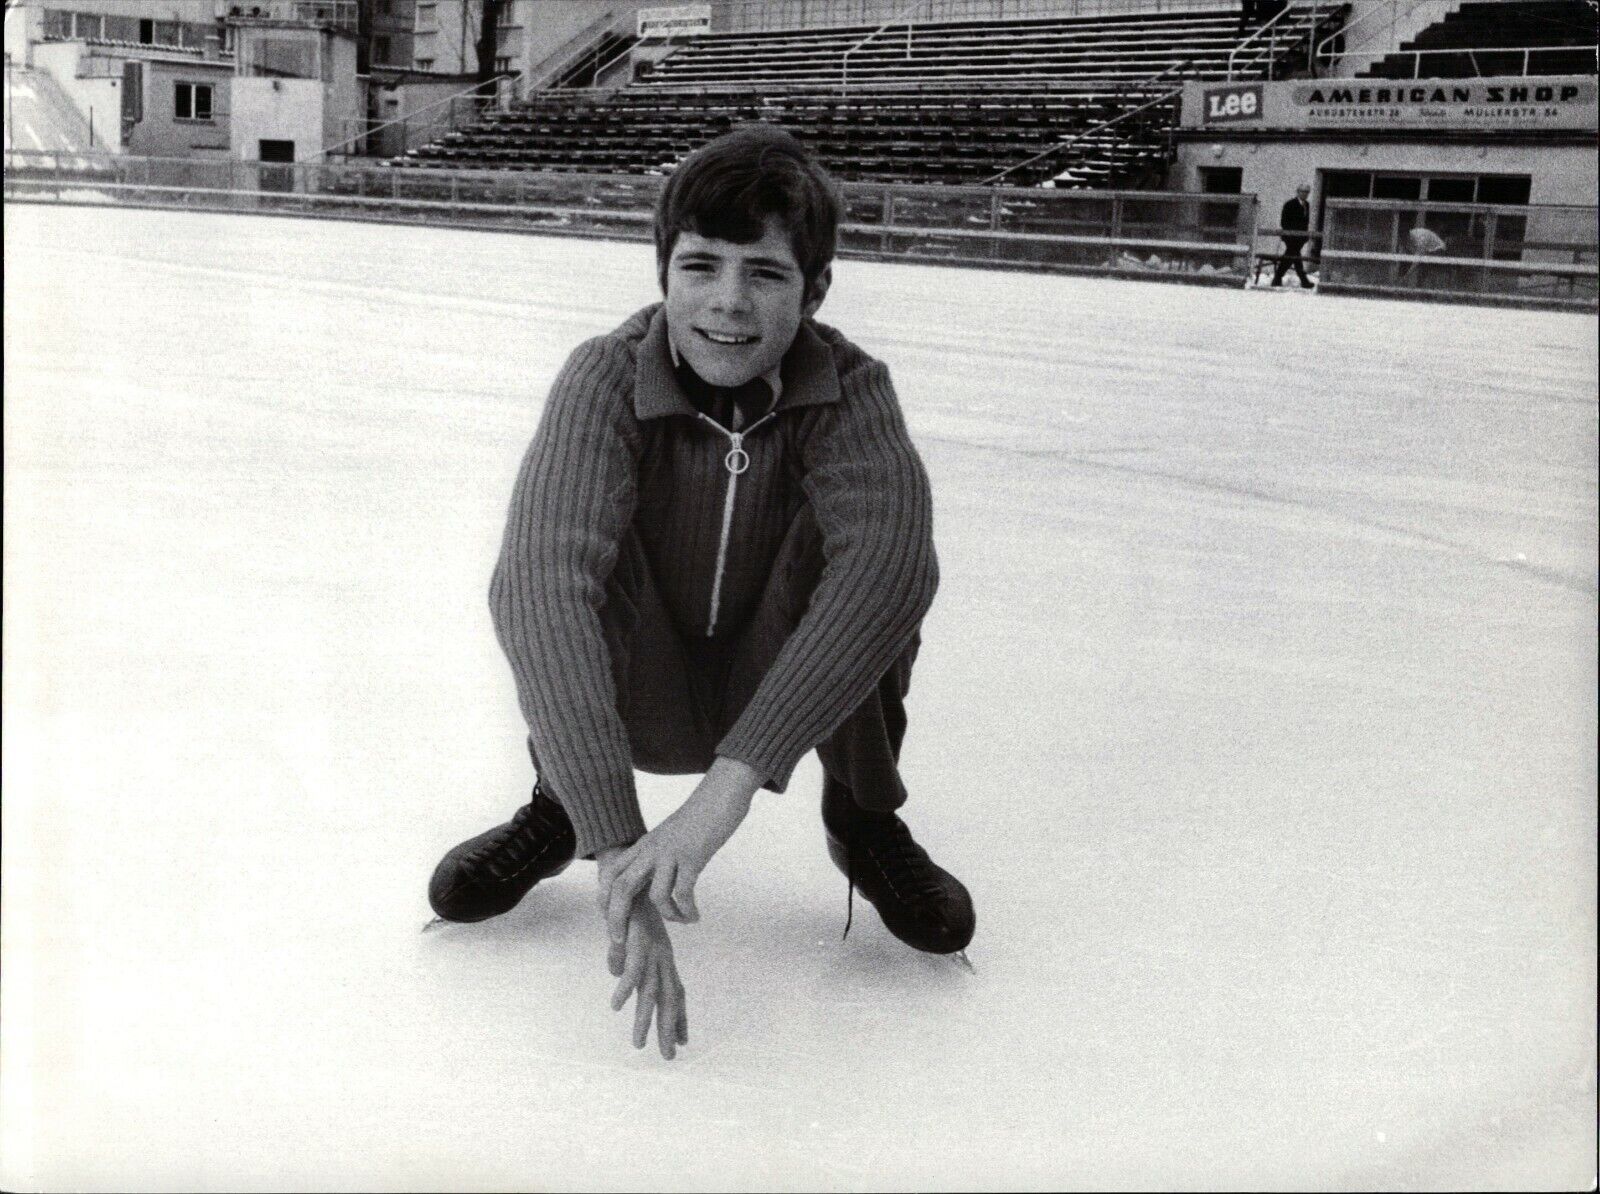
961, 956
437, 920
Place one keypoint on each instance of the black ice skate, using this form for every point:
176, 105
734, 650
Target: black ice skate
489, 874
919, 901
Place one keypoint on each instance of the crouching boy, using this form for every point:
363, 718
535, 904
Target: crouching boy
718, 556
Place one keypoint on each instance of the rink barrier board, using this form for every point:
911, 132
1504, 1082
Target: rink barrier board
388, 213
897, 242
1533, 255
1028, 229
1333, 280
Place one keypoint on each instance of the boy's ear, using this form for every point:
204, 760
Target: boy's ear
818, 291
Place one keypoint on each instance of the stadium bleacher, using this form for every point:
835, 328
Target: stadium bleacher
1491, 37
940, 103
1091, 51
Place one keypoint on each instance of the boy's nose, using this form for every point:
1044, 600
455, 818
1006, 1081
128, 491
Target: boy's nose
732, 295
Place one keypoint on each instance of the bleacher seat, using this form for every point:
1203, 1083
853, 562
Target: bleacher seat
970, 100
1489, 37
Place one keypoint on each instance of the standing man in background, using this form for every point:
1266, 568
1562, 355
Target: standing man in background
1295, 218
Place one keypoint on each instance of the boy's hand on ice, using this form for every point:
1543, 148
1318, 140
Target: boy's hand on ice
668, 860
645, 963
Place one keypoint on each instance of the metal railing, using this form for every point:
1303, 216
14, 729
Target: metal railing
1543, 255
604, 66
1152, 83
1496, 58
1085, 134
903, 15
1185, 237
1289, 17
1533, 254
1394, 11
571, 52
452, 103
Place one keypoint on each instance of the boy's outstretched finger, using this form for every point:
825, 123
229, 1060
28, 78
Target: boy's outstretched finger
671, 1011
631, 975
616, 955
644, 1009
682, 1026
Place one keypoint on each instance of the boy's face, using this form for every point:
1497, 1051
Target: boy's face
733, 310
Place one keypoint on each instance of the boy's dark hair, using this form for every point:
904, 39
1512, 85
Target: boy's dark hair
728, 187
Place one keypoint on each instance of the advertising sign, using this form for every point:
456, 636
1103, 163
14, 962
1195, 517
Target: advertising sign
1521, 102
1226, 105
684, 20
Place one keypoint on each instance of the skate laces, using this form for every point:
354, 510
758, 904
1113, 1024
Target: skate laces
905, 867
532, 830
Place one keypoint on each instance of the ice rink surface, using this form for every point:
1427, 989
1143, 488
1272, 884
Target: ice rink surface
1257, 710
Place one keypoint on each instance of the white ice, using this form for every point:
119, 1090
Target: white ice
1257, 710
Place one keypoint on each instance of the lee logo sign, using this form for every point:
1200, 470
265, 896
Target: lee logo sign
1223, 105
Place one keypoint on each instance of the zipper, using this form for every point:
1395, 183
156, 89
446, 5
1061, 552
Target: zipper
736, 462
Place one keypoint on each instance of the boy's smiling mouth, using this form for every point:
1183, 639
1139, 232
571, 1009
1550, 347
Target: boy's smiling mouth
726, 338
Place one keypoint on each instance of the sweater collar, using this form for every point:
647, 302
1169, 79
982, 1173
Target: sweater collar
807, 373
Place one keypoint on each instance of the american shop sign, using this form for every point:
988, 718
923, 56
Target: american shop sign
1516, 102
1476, 103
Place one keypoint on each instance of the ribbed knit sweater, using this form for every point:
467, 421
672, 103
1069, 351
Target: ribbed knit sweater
620, 448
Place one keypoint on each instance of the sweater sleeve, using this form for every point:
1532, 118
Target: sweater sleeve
869, 492
573, 500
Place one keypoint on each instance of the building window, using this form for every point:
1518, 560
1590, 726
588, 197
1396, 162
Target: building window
380, 50
424, 63
192, 101
502, 66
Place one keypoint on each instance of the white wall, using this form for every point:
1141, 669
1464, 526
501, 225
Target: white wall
96, 99
345, 108
23, 24
276, 110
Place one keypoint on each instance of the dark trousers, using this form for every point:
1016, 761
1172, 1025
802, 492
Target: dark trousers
679, 693
1291, 256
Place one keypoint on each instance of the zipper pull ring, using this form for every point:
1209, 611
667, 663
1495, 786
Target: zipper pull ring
737, 460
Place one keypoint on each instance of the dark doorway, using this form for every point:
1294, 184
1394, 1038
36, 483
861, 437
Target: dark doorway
273, 177
1220, 220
